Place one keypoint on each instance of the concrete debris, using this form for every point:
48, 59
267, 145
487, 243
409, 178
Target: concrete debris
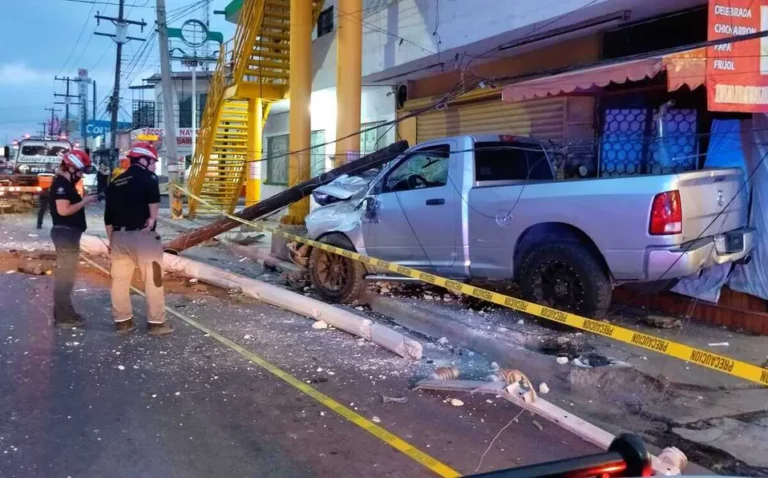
445, 373
320, 324
12, 271
376, 420
543, 388
662, 322
745, 441
719, 344
192, 281
520, 322
538, 425
442, 341
456, 402
387, 399
35, 270
120, 367
494, 366
562, 360
246, 337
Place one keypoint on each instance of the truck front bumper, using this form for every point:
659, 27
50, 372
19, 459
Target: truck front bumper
691, 258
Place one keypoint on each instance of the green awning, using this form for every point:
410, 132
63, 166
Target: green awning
232, 10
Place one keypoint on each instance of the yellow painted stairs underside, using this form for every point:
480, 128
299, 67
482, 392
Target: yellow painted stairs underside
254, 64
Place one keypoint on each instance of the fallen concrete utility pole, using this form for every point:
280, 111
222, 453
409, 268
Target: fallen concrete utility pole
284, 299
670, 461
284, 198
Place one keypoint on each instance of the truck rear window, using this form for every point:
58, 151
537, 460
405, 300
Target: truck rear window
42, 150
499, 161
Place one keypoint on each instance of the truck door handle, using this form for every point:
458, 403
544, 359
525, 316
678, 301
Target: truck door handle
435, 202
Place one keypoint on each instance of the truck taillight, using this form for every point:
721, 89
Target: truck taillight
666, 214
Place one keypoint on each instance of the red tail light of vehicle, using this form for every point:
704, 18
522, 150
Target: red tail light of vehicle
666, 214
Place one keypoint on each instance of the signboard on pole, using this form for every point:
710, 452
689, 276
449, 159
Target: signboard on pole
737, 73
101, 128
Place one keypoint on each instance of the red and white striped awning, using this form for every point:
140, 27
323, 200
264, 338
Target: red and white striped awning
686, 68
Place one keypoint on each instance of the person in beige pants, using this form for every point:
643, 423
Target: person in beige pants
130, 216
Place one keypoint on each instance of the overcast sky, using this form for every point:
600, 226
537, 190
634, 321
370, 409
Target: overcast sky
40, 39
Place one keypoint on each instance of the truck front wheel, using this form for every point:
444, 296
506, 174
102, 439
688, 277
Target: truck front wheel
337, 278
566, 276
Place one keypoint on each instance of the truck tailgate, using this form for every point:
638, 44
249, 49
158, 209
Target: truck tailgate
705, 197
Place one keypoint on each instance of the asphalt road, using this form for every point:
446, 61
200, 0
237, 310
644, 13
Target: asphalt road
90, 403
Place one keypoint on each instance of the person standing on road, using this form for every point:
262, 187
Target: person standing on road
102, 178
130, 216
44, 180
68, 215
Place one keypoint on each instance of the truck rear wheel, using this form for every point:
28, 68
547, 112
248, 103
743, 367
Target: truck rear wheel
337, 278
566, 276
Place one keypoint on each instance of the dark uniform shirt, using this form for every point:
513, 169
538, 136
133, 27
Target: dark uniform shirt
128, 198
62, 188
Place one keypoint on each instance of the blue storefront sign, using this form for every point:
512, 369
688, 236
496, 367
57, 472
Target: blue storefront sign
102, 127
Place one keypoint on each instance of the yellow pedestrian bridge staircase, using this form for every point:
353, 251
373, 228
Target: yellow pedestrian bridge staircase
252, 72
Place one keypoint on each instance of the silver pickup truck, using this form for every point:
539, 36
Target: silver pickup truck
489, 208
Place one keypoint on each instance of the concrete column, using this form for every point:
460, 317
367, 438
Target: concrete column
349, 71
255, 126
300, 84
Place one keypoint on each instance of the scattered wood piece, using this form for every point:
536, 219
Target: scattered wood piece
538, 425
387, 399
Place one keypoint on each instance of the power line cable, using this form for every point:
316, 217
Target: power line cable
77, 42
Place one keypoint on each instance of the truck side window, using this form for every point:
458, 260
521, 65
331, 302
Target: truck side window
427, 168
500, 161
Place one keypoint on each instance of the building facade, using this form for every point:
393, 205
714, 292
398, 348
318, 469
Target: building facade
439, 67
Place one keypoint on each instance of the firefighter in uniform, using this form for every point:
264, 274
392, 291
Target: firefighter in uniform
68, 216
133, 204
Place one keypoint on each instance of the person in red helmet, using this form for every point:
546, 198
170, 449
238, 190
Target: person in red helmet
130, 216
68, 215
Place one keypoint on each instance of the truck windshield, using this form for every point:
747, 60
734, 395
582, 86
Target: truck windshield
501, 161
42, 150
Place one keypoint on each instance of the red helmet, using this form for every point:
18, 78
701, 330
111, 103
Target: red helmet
77, 159
143, 150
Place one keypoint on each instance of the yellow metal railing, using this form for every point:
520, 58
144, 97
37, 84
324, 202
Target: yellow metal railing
258, 55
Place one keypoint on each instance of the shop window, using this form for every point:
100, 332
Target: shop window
185, 111
277, 160
325, 22
317, 141
375, 139
277, 154
648, 141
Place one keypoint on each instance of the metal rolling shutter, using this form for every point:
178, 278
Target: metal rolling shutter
541, 118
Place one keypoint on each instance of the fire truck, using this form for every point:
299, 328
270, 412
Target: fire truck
30, 166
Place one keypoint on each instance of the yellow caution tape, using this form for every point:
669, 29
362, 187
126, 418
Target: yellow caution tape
684, 352
389, 438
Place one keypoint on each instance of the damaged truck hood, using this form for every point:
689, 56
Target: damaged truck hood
345, 213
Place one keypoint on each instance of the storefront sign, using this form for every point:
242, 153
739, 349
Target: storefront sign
737, 73
183, 138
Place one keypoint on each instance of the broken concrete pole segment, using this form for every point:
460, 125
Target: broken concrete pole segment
670, 462
287, 197
445, 373
284, 299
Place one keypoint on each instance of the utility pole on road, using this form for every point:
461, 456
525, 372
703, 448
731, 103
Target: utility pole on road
120, 37
53, 112
66, 101
169, 140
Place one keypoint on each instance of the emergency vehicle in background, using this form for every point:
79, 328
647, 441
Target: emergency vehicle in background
30, 166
